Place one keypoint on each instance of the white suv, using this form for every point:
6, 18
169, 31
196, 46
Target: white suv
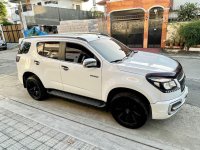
98, 70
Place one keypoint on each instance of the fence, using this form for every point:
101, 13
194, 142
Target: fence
53, 15
89, 25
12, 33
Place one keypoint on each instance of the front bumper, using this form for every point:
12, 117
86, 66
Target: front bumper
164, 110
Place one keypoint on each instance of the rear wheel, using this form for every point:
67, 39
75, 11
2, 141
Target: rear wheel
35, 88
129, 110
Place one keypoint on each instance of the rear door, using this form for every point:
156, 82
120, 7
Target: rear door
22, 57
46, 63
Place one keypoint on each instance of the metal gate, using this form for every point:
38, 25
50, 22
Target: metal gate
155, 27
128, 27
12, 33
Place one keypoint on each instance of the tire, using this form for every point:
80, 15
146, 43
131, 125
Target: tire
35, 88
129, 110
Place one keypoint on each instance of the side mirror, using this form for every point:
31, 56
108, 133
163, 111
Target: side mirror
90, 62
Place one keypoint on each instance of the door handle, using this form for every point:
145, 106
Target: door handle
65, 68
36, 62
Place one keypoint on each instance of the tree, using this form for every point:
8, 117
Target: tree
190, 33
188, 12
3, 12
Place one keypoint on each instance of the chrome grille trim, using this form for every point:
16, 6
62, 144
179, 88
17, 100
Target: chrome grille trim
181, 80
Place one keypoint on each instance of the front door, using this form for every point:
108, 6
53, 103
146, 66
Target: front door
76, 78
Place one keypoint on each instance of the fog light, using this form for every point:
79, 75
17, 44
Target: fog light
176, 106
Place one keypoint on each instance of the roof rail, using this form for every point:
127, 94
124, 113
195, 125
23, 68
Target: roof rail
97, 33
49, 36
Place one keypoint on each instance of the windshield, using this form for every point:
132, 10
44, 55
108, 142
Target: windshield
111, 49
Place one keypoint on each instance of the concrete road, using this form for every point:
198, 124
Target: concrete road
191, 66
97, 127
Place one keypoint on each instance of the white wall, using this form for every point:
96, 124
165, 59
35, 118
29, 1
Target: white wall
177, 3
89, 5
70, 4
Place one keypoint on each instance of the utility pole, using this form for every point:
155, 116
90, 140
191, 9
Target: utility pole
22, 17
94, 5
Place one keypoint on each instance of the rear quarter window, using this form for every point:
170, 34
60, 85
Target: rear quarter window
24, 47
48, 49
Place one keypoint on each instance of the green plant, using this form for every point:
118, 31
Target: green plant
3, 12
190, 33
188, 12
6, 23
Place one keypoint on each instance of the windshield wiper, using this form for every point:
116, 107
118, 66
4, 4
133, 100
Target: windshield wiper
131, 52
118, 60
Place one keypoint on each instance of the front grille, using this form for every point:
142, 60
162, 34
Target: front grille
181, 79
180, 75
182, 83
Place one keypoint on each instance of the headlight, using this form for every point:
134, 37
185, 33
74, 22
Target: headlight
165, 85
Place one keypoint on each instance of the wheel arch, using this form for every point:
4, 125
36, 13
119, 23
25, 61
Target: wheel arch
28, 74
115, 91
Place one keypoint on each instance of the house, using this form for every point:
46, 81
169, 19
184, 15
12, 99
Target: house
49, 13
69, 4
140, 23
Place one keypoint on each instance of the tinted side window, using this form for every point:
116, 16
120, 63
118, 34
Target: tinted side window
77, 53
24, 48
48, 49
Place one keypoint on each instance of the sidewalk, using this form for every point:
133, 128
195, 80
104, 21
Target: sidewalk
18, 132
42, 128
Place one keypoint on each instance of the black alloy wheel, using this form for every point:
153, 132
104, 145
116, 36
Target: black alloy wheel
35, 88
129, 111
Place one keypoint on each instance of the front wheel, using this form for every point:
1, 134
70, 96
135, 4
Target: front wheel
129, 110
35, 88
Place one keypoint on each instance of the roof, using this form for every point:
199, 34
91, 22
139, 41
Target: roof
88, 37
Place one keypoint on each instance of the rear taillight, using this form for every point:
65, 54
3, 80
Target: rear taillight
17, 58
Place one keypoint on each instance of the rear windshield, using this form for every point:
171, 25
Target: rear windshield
24, 47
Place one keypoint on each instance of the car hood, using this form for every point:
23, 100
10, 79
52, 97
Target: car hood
144, 62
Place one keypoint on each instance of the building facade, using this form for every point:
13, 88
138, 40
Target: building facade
69, 4
138, 23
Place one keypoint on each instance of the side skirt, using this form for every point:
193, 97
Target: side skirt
78, 98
